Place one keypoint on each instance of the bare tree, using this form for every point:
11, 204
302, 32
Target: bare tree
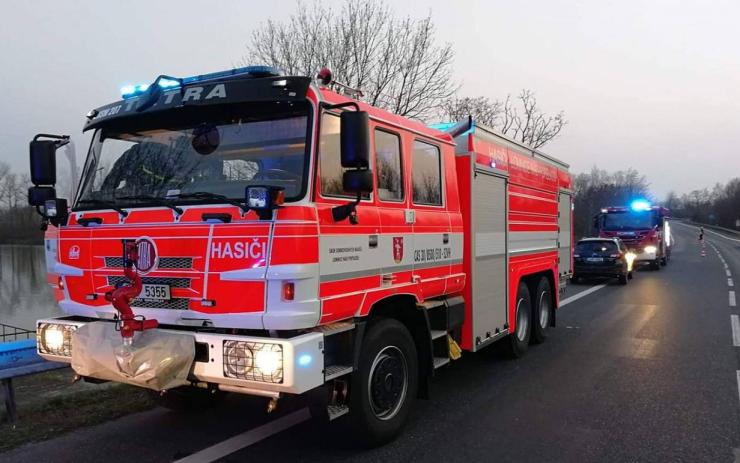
397, 63
520, 118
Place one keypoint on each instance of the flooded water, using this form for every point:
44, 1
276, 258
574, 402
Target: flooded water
24, 294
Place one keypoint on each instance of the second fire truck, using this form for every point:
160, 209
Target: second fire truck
643, 228
269, 235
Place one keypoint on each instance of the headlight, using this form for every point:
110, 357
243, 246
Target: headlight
55, 339
254, 361
650, 249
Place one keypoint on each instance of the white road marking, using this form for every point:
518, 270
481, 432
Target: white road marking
738, 384
735, 322
733, 301
585, 293
727, 271
730, 282
245, 439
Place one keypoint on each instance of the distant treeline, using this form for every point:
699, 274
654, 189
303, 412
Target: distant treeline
718, 206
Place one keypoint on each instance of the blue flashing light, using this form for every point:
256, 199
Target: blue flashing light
640, 205
304, 360
130, 91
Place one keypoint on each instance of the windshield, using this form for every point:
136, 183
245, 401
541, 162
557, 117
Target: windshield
191, 157
629, 220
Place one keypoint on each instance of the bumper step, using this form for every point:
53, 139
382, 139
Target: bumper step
335, 411
335, 371
440, 362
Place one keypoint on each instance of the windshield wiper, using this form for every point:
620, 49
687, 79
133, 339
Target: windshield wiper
154, 199
208, 195
107, 204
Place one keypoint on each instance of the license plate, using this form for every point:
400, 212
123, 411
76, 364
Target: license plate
594, 259
155, 292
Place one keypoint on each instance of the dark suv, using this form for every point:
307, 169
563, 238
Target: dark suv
602, 257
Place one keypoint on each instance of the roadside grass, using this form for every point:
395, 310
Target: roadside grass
58, 413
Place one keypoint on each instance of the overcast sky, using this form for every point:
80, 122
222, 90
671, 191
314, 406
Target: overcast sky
652, 85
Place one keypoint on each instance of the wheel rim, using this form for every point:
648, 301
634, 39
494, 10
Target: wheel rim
388, 382
544, 305
522, 322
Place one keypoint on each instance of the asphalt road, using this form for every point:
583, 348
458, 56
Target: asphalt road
646, 372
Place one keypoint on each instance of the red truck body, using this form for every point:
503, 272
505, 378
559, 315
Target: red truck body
465, 235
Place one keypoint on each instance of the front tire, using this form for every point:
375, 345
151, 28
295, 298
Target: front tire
542, 310
385, 384
518, 341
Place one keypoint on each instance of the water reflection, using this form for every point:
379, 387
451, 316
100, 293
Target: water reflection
24, 294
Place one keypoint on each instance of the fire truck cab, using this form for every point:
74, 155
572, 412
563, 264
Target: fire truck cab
644, 229
251, 232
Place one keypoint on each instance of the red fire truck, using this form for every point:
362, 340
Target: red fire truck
270, 235
644, 228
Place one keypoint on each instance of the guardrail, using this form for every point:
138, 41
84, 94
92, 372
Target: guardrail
14, 333
711, 227
19, 358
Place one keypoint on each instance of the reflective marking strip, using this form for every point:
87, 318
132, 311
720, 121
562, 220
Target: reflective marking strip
585, 293
735, 322
245, 439
393, 269
733, 301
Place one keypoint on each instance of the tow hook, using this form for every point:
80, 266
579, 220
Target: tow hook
272, 405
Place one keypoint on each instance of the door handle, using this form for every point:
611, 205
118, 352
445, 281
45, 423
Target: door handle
372, 241
446, 238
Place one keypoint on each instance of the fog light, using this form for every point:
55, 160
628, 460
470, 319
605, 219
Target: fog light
253, 361
55, 339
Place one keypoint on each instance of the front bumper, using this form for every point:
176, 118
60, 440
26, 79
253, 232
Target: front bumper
302, 357
599, 271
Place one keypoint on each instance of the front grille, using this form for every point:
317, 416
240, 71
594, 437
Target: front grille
177, 303
164, 262
173, 282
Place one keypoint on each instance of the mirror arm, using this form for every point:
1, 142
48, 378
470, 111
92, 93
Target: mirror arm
341, 105
62, 139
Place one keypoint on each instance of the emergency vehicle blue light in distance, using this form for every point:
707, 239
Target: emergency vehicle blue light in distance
640, 205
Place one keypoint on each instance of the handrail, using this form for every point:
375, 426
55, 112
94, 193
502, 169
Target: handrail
14, 333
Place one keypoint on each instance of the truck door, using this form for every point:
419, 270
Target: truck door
431, 239
349, 254
565, 233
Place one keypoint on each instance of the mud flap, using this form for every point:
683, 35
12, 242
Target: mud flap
156, 360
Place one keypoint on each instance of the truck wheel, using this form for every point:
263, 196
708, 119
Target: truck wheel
623, 279
663, 261
385, 384
656, 264
542, 310
518, 341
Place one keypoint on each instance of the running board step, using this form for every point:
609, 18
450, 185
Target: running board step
335, 371
334, 328
440, 362
335, 411
436, 334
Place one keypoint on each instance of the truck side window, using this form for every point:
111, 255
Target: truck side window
329, 157
388, 159
426, 174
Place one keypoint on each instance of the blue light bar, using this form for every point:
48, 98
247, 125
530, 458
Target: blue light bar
130, 91
640, 205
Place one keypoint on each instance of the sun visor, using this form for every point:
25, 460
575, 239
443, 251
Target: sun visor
157, 360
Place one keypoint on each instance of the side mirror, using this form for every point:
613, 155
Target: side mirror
357, 181
43, 162
355, 139
38, 195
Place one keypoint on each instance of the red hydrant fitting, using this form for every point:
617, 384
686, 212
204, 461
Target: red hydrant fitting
121, 297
